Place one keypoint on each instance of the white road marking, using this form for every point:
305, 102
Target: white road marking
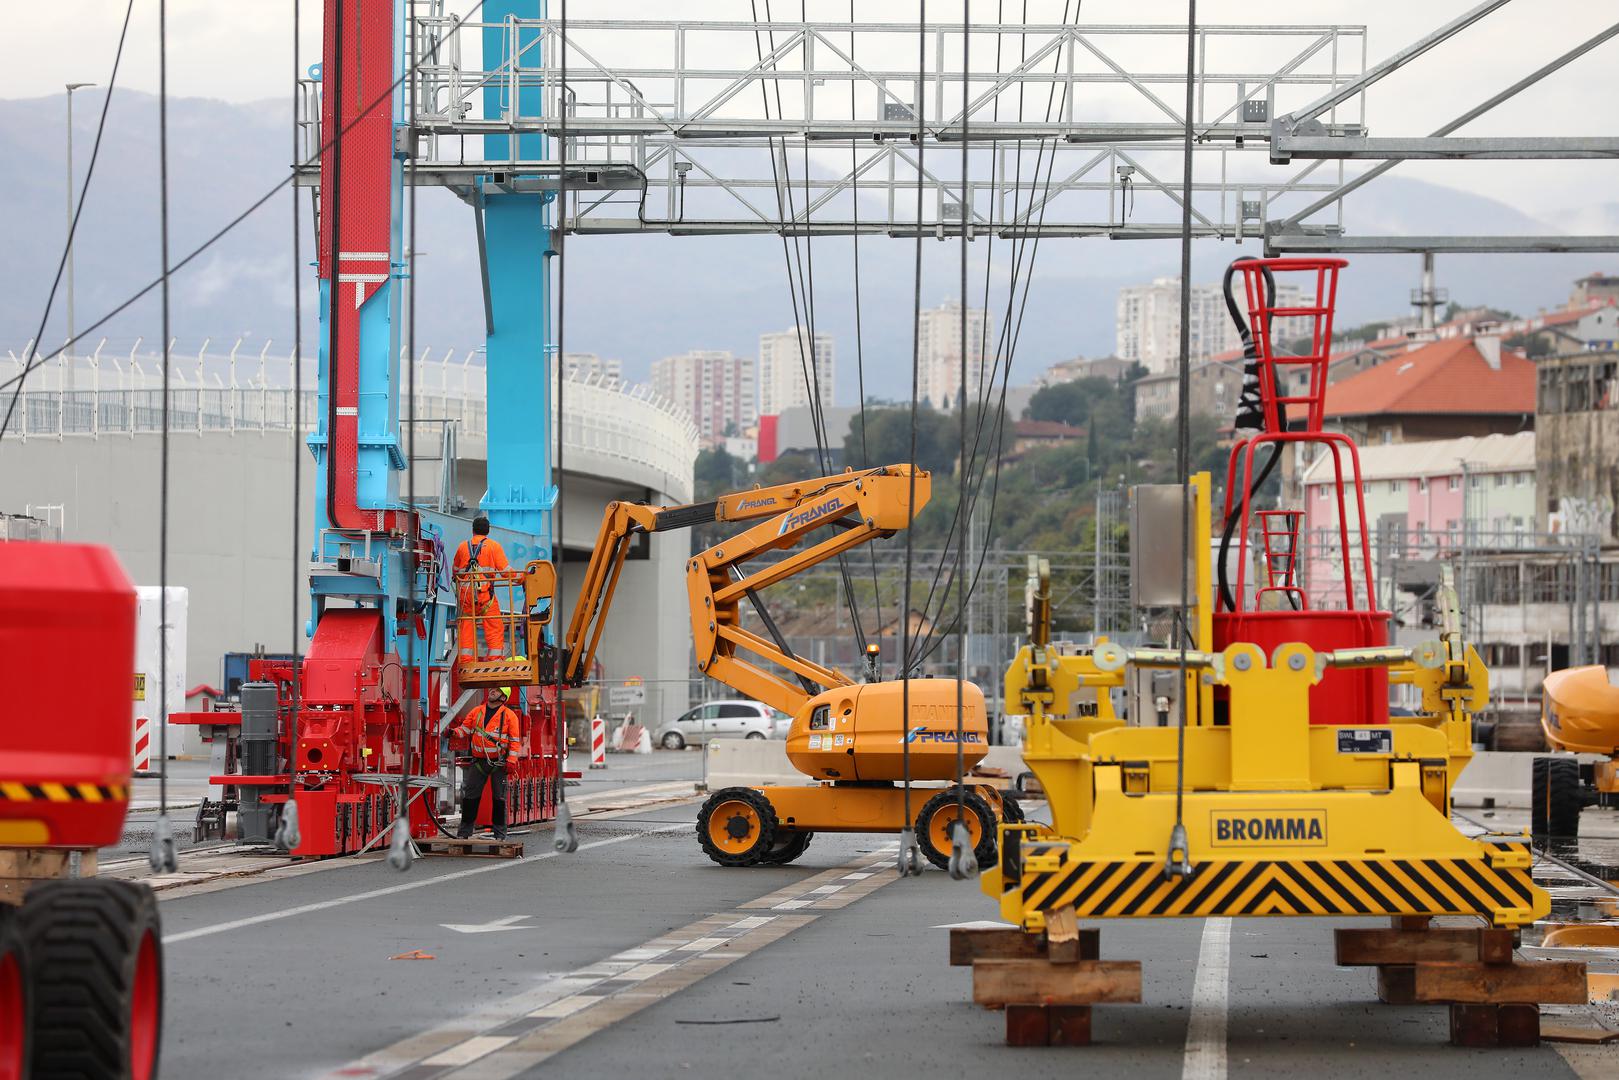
639, 954
493, 927
646, 971
420, 883
1211, 990
858, 877
565, 1007
751, 921
825, 889
471, 1050
791, 905
702, 944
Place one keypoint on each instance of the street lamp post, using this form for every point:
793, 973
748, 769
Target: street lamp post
67, 357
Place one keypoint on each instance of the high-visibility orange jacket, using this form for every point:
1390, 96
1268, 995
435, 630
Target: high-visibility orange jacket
479, 553
495, 733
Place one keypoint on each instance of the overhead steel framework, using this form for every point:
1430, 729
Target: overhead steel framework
735, 127
669, 131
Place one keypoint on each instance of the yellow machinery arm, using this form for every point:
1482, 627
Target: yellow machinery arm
858, 506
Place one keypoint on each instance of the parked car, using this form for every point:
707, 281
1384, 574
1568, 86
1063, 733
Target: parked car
733, 719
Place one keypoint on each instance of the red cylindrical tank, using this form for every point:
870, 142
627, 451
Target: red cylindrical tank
67, 664
1346, 697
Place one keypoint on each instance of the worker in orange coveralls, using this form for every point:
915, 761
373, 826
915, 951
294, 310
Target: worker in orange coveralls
477, 598
494, 738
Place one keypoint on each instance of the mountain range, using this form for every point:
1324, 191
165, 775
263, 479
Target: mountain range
632, 297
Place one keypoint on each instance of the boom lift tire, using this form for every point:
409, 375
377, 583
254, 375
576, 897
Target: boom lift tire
97, 978
789, 846
15, 999
737, 827
939, 813
1556, 797
1011, 809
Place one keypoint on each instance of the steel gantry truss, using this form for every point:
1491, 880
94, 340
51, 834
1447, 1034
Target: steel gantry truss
711, 127
810, 128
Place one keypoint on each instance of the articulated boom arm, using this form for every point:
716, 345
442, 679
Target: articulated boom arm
860, 506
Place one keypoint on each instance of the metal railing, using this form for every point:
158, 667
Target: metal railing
103, 395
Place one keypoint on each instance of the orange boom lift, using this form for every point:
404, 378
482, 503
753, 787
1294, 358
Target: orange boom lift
856, 738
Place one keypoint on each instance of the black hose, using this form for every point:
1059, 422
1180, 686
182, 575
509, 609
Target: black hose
1250, 414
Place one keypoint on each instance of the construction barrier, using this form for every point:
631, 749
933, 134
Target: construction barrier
143, 744
1499, 779
598, 743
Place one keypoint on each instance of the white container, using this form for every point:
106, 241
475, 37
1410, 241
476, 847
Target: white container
161, 700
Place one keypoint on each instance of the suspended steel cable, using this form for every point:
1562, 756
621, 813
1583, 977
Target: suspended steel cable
1007, 348
223, 230
803, 287
859, 344
564, 839
298, 450
73, 225
961, 845
909, 854
162, 856
1182, 866
399, 853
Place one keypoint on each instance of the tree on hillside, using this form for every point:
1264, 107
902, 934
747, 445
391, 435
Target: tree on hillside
887, 439
716, 472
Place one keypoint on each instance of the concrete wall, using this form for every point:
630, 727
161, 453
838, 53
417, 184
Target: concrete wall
230, 542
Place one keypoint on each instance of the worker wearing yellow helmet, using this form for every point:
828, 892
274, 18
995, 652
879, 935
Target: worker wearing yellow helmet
494, 736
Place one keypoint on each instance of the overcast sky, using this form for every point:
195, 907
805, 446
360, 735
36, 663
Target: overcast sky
241, 51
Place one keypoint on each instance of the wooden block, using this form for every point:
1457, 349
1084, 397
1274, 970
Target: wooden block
1365, 946
1397, 984
1495, 946
969, 943
1548, 982
1410, 922
1473, 1025
1088, 982
1571, 1033
1069, 1025
1027, 1025
1085, 945
1517, 1025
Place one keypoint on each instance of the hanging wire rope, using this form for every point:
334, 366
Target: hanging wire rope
859, 344
1181, 866
962, 864
1010, 333
400, 849
162, 856
298, 450
224, 230
73, 225
564, 839
910, 856
801, 289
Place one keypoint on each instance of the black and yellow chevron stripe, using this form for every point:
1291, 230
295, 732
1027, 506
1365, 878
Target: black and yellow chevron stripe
1284, 887
10, 791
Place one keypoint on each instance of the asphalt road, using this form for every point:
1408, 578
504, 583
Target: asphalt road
842, 970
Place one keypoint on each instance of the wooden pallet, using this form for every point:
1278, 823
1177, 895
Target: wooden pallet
1494, 998
473, 848
1046, 983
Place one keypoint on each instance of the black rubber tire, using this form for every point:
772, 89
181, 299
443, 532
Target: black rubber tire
755, 735
763, 843
86, 938
975, 804
16, 997
1556, 798
1011, 809
674, 741
789, 846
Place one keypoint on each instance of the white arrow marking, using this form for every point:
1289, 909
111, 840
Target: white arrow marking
488, 927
